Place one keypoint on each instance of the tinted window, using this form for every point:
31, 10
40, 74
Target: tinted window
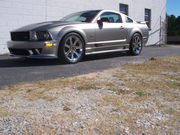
112, 17
129, 20
87, 16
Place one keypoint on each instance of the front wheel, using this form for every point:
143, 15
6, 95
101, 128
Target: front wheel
72, 48
136, 44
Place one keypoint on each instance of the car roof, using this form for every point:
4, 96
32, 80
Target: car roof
104, 10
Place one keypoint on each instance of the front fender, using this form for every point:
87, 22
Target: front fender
70, 29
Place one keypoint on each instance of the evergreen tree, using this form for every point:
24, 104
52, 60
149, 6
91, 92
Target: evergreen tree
173, 25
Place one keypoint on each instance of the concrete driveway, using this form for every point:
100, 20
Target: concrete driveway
15, 70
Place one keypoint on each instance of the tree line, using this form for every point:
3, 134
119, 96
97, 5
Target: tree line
173, 26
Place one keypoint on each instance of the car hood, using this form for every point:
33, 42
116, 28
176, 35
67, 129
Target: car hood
45, 25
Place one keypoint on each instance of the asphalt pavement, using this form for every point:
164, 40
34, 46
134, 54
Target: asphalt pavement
15, 70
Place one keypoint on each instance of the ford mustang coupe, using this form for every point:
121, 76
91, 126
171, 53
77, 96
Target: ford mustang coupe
79, 34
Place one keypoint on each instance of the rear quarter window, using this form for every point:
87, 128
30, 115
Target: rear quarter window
129, 20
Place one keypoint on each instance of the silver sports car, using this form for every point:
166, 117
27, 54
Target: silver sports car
79, 34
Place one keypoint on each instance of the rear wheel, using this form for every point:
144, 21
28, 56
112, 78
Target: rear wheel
136, 44
72, 48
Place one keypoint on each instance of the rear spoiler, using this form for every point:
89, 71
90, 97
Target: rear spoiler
142, 22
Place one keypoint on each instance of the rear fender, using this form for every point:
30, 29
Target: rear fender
133, 31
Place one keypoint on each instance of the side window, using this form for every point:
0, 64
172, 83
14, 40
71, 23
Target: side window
112, 17
129, 20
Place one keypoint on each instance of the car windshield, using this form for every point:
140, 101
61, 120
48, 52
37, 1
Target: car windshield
87, 16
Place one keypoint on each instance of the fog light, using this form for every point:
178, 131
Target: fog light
49, 44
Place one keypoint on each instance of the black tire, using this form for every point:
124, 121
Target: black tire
136, 44
64, 52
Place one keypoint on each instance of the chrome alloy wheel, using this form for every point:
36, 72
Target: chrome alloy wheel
73, 48
137, 44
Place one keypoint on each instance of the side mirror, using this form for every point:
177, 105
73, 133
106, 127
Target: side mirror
100, 22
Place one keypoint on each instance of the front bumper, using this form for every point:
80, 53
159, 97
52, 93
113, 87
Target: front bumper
32, 49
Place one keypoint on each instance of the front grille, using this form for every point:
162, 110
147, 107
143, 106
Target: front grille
25, 52
20, 36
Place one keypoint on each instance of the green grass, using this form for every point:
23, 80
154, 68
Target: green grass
171, 110
139, 93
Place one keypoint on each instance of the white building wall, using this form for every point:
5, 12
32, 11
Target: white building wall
17, 13
158, 9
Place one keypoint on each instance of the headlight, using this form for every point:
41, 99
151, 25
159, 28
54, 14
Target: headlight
40, 36
43, 36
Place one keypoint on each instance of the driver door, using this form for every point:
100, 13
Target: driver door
111, 31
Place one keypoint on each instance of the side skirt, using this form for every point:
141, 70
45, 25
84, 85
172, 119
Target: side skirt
110, 48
